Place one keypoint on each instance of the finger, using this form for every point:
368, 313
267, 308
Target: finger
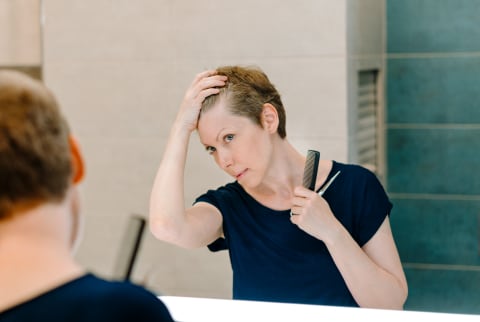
206, 93
205, 89
204, 74
195, 91
301, 191
212, 81
296, 210
299, 201
295, 219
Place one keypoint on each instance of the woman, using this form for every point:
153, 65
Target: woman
337, 249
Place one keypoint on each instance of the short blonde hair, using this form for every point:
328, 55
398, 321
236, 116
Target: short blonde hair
247, 89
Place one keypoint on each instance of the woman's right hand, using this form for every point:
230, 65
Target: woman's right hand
205, 84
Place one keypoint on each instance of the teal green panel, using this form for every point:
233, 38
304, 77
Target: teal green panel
448, 291
436, 161
437, 231
434, 90
433, 26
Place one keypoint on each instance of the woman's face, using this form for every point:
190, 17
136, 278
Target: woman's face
240, 147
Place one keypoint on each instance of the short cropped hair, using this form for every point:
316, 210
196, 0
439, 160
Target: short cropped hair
35, 158
247, 89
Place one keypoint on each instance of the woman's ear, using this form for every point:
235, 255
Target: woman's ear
269, 118
77, 160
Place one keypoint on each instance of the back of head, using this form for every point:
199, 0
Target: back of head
35, 160
247, 90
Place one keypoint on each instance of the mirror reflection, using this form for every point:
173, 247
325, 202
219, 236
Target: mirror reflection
389, 85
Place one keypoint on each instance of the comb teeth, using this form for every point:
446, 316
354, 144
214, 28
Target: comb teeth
311, 169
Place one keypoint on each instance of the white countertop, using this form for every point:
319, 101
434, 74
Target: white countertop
189, 309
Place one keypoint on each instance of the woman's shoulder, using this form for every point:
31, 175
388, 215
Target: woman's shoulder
227, 191
351, 168
354, 172
228, 188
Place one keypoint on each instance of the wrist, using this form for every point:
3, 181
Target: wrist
335, 235
180, 130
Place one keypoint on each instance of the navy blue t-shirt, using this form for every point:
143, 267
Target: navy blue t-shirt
274, 260
89, 298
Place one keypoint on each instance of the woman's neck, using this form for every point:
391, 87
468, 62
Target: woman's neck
284, 174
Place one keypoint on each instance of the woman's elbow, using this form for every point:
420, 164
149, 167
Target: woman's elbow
163, 229
403, 296
168, 231
399, 300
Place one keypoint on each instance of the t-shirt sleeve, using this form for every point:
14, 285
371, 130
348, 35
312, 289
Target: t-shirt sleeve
375, 206
210, 197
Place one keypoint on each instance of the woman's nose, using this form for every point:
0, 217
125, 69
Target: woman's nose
225, 159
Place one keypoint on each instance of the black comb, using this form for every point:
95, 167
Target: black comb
311, 169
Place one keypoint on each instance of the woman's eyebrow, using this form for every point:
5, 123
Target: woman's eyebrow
219, 132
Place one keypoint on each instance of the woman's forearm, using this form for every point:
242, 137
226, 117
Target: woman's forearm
372, 284
168, 218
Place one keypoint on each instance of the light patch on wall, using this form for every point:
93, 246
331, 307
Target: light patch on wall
367, 120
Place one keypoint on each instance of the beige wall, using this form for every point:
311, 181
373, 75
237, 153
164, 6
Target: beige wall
366, 49
20, 33
120, 69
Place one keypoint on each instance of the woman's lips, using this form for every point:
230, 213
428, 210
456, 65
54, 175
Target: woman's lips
238, 176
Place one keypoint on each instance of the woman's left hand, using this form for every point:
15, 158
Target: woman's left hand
312, 214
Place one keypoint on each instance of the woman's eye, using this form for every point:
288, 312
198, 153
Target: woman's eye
210, 149
228, 137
